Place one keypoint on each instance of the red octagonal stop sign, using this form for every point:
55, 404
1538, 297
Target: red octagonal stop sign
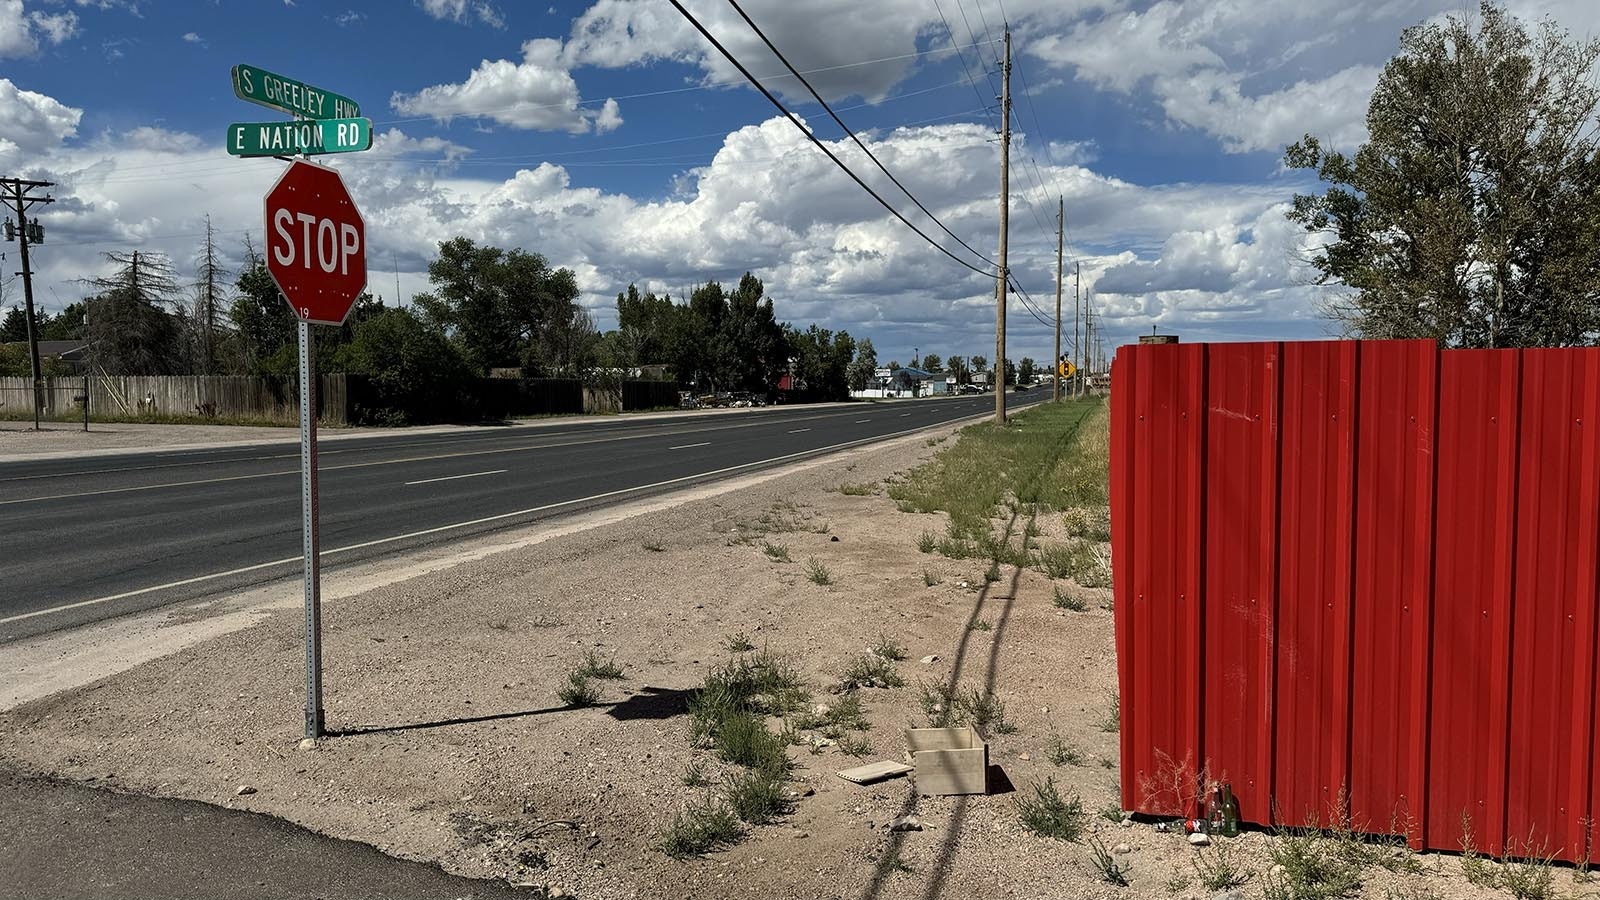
316, 243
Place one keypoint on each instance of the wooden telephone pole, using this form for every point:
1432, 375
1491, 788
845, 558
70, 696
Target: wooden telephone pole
1061, 212
16, 192
1000, 287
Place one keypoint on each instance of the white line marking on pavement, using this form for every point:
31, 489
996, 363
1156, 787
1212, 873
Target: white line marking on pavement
690, 446
800, 431
903, 415
859, 421
451, 527
454, 477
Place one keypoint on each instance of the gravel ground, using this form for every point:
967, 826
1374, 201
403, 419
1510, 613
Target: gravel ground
453, 747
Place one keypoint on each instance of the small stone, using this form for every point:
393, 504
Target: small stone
930, 659
834, 539
905, 823
802, 834
244, 789
822, 709
1023, 756
1199, 840
1122, 848
308, 743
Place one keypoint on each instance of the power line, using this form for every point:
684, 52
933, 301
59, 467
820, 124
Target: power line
963, 58
813, 138
847, 130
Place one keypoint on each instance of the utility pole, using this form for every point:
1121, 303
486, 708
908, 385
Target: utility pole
17, 192
1005, 211
1061, 212
1077, 341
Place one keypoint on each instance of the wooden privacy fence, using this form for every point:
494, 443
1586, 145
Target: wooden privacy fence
1357, 580
222, 396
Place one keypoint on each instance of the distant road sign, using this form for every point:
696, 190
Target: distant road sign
309, 136
289, 95
316, 243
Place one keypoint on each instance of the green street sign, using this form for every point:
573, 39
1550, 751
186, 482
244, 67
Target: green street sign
309, 136
288, 95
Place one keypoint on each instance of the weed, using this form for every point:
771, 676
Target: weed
1113, 720
777, 552
956, 548
1046, 813
864, 489
743, 739
824, 528
888, 649
927, 543
817, 573
757, 796
1061, 753
654, 545
1111, 871
853, 745
596, 666
946, 707
1068, 602
1080, 561
897, 864
1112, 812
1031, 530
1529, 874
1106, 763
1218, 867
500, 625
930, 579
1416, 890
981, 625
578, 691
1475, 868
992, 574
870, 670
699, 828
694, 774
1311, 869
1177, 883
738, 642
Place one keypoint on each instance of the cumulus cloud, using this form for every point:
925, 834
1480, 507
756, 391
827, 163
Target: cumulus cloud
31, 122
536, 93
463, 11
21, 32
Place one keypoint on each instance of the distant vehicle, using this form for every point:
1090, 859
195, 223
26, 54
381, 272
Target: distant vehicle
972, 389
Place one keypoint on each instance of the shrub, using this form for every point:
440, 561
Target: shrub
775, 552
1068, 602
927, 543
817, 573
757, 796
578, 691
1111, 871
596, 666
870, 670
1046, 813
701, 827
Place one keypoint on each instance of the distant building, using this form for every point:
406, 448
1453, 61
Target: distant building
73, 355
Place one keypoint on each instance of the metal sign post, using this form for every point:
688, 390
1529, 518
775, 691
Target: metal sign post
316, 254
310, 531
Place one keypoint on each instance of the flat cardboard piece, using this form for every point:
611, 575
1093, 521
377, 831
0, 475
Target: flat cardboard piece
877, 771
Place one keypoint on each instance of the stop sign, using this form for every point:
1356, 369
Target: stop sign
316, 243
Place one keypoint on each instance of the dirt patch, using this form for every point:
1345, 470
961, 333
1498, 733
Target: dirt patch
454, 748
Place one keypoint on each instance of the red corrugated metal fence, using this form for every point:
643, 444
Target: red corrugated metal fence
1358, 581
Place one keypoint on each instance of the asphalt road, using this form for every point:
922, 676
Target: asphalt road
94, 537
70, 841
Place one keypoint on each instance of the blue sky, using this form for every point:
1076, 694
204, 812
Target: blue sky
610, 137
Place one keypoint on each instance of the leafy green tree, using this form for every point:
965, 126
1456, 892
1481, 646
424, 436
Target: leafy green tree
507, 309
1472, 213
865, 366
932, 362
756, 353
645, 325
958, 368
979, 364
64, 326
1027, 369
413, 371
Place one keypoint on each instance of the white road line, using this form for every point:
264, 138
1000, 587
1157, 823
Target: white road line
859, 421
467, 524
454, 477
690, 446
903, 415
800, 431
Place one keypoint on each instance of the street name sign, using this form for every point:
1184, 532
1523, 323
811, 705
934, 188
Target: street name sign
305, 136
290, 95
316, 243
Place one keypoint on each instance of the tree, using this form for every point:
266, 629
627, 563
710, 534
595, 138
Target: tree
1472, 213
644, 328
1026, 369
864, 368
15, 326
752, 340
821, 362
1011, 372
507, 309
209, 287
413, 371
979, 363
129, 328
931, 362
66, 325
894, 364
958, 368
266, 329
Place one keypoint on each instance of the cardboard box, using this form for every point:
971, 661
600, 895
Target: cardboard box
948, 760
